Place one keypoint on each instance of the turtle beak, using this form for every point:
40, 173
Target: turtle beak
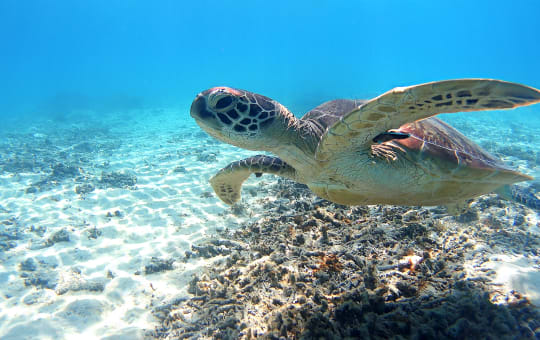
205, 117
199, 110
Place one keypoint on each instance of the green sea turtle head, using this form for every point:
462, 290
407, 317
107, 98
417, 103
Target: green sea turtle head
241, 118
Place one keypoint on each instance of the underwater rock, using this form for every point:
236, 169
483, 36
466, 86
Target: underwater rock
207, 251
239, 209
214, 247
10, 232
116, 213
319, 327
117, 179
410, 215
206, 194
157, 265
208, 157
93, 233
28, 265
519, 220
39, 230
59, 236
42, 278
39, 272
31, 190
61, 171
467, 217
180, 169
375, 276
412, 230
84, 188
78, 283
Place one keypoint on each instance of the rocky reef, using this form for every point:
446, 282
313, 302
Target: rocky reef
315, 270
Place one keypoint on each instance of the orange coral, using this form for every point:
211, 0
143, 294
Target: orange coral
329, 263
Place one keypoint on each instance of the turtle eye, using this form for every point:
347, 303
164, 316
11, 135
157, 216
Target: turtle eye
224, 102
221, 99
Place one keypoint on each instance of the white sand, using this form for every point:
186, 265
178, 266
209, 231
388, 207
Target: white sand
518, 273
166, 213
509, 128
162, 218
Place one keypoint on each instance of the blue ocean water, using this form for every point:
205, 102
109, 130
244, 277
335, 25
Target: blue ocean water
109, 54
104, 174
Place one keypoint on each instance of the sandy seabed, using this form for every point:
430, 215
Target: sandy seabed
109, 229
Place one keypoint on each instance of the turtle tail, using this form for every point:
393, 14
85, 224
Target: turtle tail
227, 183
520, 194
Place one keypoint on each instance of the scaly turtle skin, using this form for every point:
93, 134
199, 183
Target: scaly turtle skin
387, 150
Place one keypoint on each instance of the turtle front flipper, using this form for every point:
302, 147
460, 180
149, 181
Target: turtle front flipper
404, 105
227, 183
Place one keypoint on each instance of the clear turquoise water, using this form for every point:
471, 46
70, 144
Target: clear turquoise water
109, 55
63, 59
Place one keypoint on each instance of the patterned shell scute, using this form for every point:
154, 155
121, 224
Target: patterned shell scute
327, 114
437, 139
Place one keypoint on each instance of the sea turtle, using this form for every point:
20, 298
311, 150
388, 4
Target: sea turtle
387, 150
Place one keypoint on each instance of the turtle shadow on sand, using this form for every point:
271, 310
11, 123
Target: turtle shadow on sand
319, 270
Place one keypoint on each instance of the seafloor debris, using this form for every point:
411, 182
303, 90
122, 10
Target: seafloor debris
208, 157
157, 265
330, 272
180, 169
61, 235
74, 281
84, 188
10, 232
39, 272
63, 154
118, 179
214, 247
62, 171
93, 232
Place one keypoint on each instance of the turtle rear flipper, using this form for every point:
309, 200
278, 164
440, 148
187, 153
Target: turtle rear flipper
520, 194
227, 183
